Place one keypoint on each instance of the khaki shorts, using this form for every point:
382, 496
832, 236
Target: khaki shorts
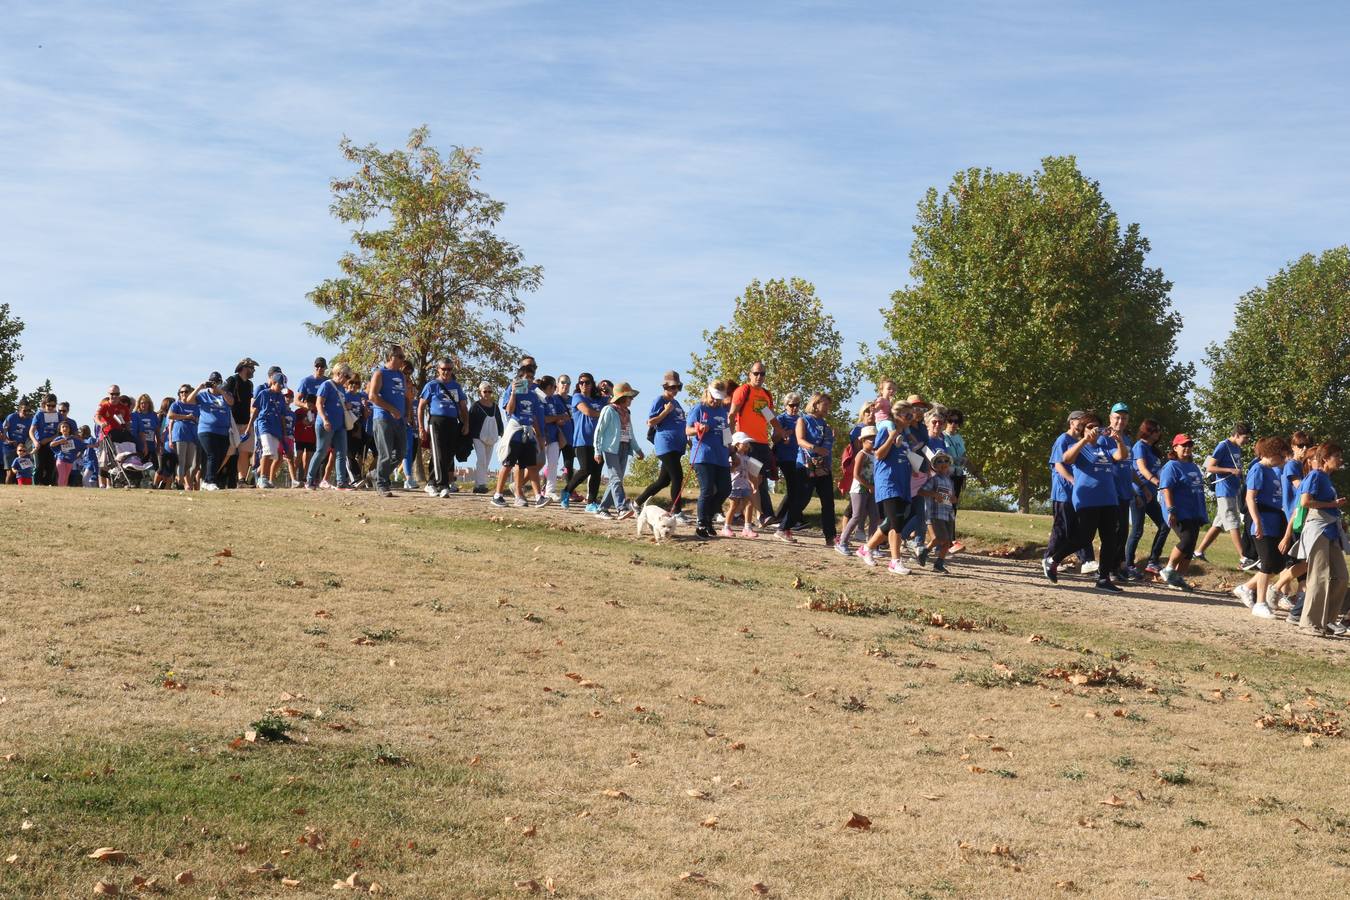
270, 443
1228, 516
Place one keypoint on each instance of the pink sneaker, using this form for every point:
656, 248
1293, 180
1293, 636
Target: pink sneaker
866, 556
748, 532
726, 532
896, 567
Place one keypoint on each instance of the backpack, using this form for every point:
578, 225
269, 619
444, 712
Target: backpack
846, 467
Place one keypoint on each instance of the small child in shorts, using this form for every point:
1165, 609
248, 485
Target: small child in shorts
742, 486
23, 465
939, 495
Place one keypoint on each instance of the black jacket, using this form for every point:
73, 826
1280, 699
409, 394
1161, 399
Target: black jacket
477, 415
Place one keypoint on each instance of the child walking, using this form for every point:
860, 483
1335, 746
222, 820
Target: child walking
940, 497
742, 486
863, 507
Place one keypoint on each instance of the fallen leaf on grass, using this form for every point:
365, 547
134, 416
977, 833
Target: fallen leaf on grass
1300, 823
977, 770
738, 745
529, 831
363, 641
596, 714
696, 794
108, 854
184, 877
290, 882
1034, 639
1197, 876
529, 886
759, 888
12, 858
266, 870
106, 888
859, 821
710, 822
26, 825
1112, 801
616, 794
695, 877
226, 552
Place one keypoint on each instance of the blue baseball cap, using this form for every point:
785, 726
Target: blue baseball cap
1120, 407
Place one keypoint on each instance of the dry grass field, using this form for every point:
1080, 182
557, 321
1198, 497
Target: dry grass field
276, 692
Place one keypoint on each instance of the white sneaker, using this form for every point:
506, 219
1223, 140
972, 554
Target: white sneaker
325, 485
896, 567
1261, 611
431, 490
1248, 598
1089, 567
520, 502
445, 492
411, 484
866, 556
210, 487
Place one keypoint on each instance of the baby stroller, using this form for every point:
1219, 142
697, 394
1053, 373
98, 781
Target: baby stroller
119, 463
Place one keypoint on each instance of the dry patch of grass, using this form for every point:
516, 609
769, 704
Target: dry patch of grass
492, 706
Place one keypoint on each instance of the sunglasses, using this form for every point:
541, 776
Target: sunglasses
793, 405
585, 381
753, 374
672, 387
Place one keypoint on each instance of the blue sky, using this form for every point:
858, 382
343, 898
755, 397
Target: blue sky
164, 167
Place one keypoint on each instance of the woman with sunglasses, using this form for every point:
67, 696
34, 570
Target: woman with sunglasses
43, 430
666, 421
1182, 488
586, 405
566, 453
445, 407
182, 418
785, 453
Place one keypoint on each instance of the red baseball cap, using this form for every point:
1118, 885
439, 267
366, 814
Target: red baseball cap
1182, 439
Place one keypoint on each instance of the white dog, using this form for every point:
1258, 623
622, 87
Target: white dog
658, 520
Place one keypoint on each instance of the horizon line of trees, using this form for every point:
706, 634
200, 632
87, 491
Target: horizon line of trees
1028, 298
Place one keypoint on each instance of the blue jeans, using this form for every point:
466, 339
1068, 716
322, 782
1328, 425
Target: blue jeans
1138, 512
410, 452
324, 440
615, 465
391, 438
714, 487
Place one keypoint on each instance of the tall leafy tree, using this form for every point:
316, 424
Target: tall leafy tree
35, 397
783, 323
427, 269
1030, 299
11, 326
1286, 363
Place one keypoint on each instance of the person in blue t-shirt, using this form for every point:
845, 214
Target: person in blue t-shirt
1094, 498
330, 429
66, 446
1268, 522
1225, 464
524, 441
182, 418
785, 455
267, 421
14, 432
444, 407
44, 429
1291, 477
23, 466
1118, 423
1182, 489
1322, 542
667, 423
388, 393
1146, 469
815, 454
309, 385
586, 405
214, 419
891, 474
1064, 522
709, 428
557, 413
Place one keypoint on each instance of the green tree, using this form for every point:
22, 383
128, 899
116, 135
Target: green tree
784, 324
35, 397
428, 270
1029, 300
11, 326
1286, 363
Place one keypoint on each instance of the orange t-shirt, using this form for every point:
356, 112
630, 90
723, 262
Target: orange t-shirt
753, 402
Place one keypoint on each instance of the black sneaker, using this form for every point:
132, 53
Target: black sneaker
939, 567
702, 533
1050, 569
922, 557
1106, 584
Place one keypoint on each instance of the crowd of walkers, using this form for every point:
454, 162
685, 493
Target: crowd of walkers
902, 466
1280, 509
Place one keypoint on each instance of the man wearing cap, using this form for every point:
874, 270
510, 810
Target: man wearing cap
1225, 464
240, 387
309, 385
752, 413
1064, 524
13, 433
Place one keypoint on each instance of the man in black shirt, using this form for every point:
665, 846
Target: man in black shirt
240, 386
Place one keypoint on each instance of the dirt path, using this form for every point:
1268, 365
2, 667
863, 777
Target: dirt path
1211, 614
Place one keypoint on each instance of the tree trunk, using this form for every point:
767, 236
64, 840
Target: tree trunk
1024, 490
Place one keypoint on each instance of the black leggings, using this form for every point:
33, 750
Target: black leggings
587, 470
672, 474
823, 487
568, 456
444, 436
894, 513
1102, 521
46, 466
214, 447
787, 507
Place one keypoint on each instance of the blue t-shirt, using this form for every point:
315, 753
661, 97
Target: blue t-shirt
309, 385
1317, 484
359, 405
23, 466
1264, 481
183, 431
16, 428
67, 449
332, 399
891, 475
1291, 473
1188, 491
213, 413
583, 426
786, 451
821, 436
145, 424
1124, 480
1060, 489
47, 424
271, 413
1094, 478
392, 392
712, 446
1228, 455
526, 409
670, 437
443, 398
1142, 449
